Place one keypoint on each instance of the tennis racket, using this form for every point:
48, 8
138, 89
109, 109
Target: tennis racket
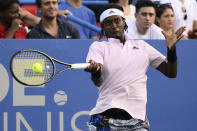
21, 67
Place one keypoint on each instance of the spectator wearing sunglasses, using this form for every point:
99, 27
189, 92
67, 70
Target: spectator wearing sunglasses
165, 18
192, 34
185, 14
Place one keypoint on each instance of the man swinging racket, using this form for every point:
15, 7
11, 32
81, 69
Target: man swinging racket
118, 68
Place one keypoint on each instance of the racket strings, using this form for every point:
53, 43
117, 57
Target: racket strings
22, 67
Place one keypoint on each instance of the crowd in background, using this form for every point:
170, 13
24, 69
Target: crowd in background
16, 22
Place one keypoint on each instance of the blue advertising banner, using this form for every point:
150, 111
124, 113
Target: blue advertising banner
64, 103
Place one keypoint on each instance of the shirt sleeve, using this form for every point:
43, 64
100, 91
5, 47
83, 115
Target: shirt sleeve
95, 53
30, 35
157, 32
155, 57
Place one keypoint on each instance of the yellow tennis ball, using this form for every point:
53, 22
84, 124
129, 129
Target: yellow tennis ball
37, 68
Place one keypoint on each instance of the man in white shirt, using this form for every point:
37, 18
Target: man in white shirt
143, 27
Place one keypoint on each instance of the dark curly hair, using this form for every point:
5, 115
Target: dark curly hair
38, 3
144, 3
5, 4
161, 9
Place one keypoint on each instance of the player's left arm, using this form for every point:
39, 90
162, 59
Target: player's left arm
169, 68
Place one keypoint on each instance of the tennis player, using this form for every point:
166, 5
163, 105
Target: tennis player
118, 68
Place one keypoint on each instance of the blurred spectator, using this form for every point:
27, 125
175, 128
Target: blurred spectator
192, 34
143, 27
165, 18
129, 9
184, 11
82, 12
49, 26
11, 19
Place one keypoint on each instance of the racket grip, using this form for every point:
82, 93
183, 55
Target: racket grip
80, 65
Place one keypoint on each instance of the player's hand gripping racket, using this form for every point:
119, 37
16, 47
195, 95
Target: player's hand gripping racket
34, 68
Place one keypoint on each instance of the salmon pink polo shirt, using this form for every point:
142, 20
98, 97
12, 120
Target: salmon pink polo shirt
124, 70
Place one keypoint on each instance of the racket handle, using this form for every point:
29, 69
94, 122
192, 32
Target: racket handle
80, 65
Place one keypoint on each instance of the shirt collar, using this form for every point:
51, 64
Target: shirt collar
117, 41
114, 40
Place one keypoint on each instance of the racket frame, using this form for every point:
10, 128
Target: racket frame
52, 60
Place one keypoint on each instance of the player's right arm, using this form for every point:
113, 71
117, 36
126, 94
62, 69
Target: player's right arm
96, 70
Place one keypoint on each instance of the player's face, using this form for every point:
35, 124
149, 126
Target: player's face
49, 8
11, 13
114, 26
166, 21
145, 17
